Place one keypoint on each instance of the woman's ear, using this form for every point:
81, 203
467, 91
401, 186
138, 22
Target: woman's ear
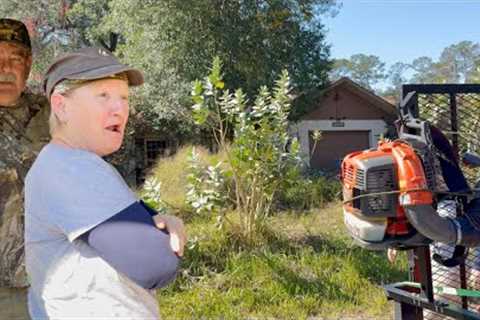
57, 103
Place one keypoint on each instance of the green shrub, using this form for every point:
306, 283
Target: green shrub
170, 172
306, 192
258, 159
172, 175
207, 191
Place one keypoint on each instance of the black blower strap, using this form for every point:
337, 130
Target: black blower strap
458, 256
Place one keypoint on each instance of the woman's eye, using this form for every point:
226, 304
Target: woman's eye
103, 95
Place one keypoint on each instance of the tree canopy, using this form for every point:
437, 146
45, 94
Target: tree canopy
367, 70
174, 42
458, 63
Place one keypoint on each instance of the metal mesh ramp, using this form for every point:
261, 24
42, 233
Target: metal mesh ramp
454, 109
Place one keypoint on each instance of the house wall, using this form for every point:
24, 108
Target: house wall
328, 153
350, 118
375, 129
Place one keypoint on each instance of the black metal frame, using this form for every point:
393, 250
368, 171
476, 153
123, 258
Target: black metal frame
410, 302
452, 90
440, 88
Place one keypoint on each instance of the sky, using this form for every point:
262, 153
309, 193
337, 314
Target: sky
402, 30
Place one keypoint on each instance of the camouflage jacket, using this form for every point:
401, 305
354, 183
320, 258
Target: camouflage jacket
23, 132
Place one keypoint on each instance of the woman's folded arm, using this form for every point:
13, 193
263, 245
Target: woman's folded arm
131, 243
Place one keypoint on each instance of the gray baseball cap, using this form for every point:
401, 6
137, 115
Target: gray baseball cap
87, 64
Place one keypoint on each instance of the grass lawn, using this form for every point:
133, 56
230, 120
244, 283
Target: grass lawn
304, 266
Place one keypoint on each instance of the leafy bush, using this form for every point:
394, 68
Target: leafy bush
305, 192
171, 174
152, 195
260, 155
206, 187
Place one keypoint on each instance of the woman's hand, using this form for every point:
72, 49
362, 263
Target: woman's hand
392, 255
175, 228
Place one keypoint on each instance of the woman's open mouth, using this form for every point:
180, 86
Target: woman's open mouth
116, 128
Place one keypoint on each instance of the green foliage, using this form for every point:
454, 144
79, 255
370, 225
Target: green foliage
175, 40
152, 196
367, 70
86, 17
307, 193
425, 71
257, 158
396, 77
458, 63
302, 266
172, 174
60, 26
205, 188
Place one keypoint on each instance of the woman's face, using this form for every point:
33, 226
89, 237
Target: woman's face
96, 115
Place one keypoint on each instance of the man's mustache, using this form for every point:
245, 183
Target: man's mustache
7, 77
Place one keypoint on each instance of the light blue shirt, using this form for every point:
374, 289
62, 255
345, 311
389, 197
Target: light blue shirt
68, 192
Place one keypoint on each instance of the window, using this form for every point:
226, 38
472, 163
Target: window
154, 149
147, 152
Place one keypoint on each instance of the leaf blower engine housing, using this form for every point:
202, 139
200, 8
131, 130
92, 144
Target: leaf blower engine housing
374, 183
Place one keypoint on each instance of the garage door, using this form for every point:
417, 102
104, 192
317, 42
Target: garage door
335, 145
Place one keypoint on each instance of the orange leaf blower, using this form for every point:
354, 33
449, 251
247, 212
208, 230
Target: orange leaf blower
374, 183
391, 193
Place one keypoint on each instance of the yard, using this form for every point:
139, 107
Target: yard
304, 266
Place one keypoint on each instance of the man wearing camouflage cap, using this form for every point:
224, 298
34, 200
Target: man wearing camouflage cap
23, 131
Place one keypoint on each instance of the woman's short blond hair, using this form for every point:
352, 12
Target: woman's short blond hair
63, 88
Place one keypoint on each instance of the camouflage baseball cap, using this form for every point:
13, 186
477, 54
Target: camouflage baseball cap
14, 31
87, 64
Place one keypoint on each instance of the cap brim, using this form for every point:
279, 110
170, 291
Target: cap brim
135, 76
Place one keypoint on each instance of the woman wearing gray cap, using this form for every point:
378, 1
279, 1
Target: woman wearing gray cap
93, 250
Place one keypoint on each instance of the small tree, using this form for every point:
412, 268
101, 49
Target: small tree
261, 152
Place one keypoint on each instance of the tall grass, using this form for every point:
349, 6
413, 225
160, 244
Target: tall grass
312, 191
308, 192
172, 173
303, 266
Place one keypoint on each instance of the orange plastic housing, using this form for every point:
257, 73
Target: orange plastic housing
350, 172
411, 176
412, 184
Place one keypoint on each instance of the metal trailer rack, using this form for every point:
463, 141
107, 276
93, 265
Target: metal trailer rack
455, 109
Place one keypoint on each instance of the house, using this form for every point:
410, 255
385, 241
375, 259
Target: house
349, 117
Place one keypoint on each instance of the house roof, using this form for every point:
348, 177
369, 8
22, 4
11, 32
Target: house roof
364, 93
